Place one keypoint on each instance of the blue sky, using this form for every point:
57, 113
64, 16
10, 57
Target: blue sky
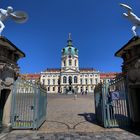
97, 26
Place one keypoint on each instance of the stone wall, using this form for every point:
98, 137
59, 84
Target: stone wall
9, 71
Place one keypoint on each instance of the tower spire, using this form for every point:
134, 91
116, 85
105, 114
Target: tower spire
69, 36
69, 41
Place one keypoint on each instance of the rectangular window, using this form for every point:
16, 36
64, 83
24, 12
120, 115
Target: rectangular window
53, 88
48, 88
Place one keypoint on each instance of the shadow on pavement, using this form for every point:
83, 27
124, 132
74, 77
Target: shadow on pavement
89, 117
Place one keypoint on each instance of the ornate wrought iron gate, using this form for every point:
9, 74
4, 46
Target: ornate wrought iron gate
114, 112
29, 105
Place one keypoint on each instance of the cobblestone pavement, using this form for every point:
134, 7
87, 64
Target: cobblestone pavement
71, 119
74, 136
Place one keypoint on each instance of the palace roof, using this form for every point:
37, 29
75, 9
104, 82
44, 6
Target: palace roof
30, 76
58, 69
108, 75
87, 69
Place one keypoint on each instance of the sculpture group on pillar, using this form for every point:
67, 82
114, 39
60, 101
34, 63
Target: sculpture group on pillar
17, 16
132, 17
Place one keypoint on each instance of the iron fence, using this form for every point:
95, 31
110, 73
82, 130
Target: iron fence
111, 104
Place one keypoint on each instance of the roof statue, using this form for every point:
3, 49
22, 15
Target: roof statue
132, 17
17, 16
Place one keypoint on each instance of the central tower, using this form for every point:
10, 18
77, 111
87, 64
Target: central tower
69, 59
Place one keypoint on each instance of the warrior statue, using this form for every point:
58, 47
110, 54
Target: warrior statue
132, 17
17, 16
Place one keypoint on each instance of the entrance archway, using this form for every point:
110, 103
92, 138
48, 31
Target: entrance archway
135, 106
3, 98
70, 82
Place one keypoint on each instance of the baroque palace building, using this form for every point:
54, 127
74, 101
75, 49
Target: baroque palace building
70, 78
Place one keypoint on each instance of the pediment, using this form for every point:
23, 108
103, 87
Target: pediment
69, 70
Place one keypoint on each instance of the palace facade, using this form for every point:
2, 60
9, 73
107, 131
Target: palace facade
70, 78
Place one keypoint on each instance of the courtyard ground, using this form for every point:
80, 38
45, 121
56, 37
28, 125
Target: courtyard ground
71, 119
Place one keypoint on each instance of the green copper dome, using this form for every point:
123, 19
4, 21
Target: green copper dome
69, 50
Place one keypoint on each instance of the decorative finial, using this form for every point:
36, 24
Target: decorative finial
69, 36
132, 17
17, 16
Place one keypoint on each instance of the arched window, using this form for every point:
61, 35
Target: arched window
75, 79
70, 80
81, 81
96, 81
86, 81
75, 62
48, 81
90, 80
43, 81
64, 79
53, 81
69, 62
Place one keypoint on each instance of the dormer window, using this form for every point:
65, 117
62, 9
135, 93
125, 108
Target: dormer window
63, 51
69, 50
76, 51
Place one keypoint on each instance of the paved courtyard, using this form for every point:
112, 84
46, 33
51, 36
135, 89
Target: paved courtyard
71, 119
65, 113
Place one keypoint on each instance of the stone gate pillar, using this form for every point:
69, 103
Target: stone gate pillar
9, 71
130, 53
